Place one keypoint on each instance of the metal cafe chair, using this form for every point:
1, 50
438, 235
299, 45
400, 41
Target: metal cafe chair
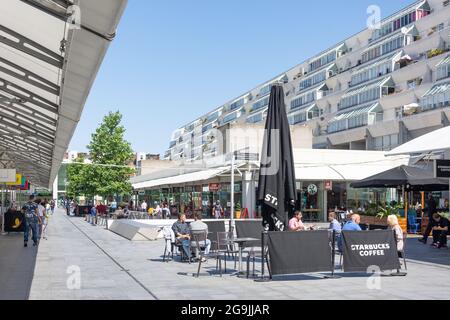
197, 238
226, 248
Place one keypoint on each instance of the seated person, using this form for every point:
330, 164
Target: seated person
334, 224
199, 225
392, 221
296, 224
440, 230
182, 233
353, 224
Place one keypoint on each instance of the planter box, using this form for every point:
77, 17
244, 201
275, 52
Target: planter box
373, 220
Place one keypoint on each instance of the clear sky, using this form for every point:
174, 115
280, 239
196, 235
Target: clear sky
175, 60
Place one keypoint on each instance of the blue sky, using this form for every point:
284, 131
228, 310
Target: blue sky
175, 60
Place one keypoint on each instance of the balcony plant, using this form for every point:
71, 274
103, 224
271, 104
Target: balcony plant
435, 52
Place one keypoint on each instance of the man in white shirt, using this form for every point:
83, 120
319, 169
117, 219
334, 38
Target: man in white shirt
144, 206
196, 226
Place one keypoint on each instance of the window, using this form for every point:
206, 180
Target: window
255, 118
302, 100
443, 71
265, 90
322, 61
383, 48
372, 72
313, 80
437, 97
298, 118
260, 104
237, 104
212, 117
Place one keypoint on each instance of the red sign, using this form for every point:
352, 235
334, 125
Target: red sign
214, 187
329, 185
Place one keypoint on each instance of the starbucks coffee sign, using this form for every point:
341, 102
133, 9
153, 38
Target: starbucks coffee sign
312, 189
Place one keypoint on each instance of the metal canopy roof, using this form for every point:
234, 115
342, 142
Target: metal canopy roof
47, 68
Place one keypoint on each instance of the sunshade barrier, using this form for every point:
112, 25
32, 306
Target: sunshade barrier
299, 252
367, 249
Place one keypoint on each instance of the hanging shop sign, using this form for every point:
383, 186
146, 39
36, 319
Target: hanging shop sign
7, 175
312, 189
442, 168
17, 182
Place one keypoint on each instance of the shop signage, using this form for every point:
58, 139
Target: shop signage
328, 185
141, 192
214, 187
17, 182
312, 189
7, 175
442, 168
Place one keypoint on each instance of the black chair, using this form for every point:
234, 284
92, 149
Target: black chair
225, 247
251, 229
198, 241
214, 227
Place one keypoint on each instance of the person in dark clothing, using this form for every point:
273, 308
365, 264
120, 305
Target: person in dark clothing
440, 230
431, 211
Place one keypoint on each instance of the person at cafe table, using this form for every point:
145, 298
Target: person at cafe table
440, 230
182, 233
353, 224
296, 223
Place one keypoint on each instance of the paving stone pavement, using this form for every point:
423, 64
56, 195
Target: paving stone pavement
112, 267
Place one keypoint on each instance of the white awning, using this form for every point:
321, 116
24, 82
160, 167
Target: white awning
437, 140
350, 172
47, 69
184, 178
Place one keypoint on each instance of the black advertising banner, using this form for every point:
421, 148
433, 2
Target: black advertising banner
363, 249
299, 252
14, 221
442, 169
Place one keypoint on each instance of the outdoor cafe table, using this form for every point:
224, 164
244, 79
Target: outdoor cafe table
241, 242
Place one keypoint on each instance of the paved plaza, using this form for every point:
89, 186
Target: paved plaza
80, 261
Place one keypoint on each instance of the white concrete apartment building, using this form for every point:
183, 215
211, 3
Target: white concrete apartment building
373, 91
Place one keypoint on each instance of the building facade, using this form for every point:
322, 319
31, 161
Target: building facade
373, 91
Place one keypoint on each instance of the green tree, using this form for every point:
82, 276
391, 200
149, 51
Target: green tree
110, 154
75, 179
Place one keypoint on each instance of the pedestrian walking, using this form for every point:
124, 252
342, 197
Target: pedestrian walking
218, 210
431, 211
30, 210
41, 212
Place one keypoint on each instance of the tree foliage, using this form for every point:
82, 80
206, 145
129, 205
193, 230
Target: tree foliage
110, 154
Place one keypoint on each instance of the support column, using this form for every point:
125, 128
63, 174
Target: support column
444, 119
249, 193
403, 135
55, 188
369, 141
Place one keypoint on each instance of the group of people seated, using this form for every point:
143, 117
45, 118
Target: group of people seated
184, 235
353, 224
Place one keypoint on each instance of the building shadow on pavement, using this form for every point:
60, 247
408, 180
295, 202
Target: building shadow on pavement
17, 265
